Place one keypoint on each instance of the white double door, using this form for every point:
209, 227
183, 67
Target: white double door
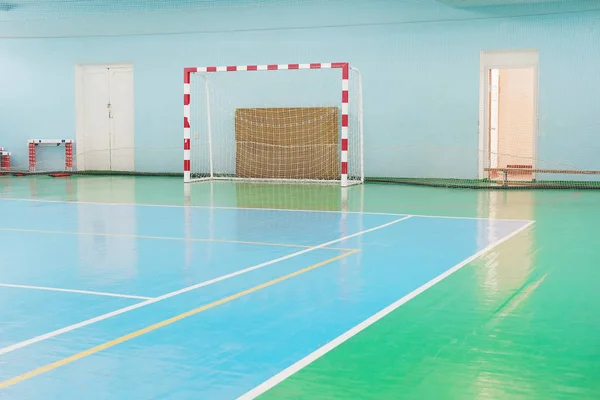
105, 118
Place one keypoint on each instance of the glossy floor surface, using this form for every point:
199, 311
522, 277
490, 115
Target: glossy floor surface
134, 288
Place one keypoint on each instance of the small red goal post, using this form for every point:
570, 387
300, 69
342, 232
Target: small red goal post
33, 144
257, 126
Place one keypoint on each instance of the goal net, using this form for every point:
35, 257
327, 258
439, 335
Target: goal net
292, 122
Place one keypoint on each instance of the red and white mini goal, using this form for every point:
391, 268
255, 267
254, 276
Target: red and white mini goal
282, 122
33, 144
4, 160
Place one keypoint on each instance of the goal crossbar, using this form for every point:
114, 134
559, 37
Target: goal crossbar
345, 72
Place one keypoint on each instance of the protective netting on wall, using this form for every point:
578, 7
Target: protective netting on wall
42, 9
423, 123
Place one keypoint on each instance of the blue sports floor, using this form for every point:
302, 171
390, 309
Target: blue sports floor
115, 301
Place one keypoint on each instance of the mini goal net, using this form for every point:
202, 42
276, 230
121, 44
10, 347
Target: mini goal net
280, 122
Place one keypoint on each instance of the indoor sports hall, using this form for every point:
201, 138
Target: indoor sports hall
299, 199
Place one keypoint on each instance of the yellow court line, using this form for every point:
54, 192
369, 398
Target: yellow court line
125, 235
133, 335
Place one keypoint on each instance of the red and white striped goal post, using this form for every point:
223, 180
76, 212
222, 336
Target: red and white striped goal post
344, 66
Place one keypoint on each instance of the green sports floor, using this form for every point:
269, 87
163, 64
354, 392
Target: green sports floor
520, 322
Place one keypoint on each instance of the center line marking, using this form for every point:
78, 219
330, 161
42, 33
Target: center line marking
133, 335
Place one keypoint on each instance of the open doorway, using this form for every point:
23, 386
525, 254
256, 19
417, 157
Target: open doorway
508, 109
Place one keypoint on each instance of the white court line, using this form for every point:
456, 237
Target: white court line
180, 239
52, 289
262, 209
58, 332
297, 366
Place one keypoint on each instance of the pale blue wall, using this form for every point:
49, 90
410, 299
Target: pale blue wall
419, 62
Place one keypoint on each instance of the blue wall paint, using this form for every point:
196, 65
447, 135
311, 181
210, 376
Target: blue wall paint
419, 61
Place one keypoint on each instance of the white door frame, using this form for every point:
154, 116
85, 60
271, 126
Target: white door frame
80, 70
493, 117
504, 59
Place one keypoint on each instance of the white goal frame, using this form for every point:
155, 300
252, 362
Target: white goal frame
345, 68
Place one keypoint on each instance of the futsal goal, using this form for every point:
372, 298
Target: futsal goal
277, 122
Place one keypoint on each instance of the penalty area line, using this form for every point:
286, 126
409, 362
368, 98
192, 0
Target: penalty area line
70, 328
